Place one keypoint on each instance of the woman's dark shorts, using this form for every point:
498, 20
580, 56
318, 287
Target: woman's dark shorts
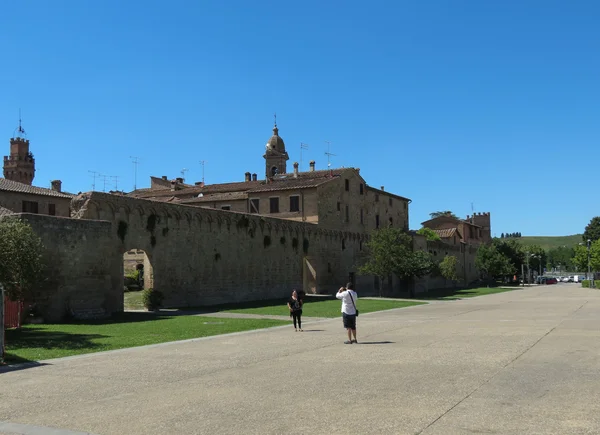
349, 320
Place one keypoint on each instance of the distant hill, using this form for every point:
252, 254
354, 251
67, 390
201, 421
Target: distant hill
549, 242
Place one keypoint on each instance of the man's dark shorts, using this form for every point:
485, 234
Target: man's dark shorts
349, 320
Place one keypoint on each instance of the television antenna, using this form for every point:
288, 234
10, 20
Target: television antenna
182, 172
94, 175
202, 162
328, 153
116, 180
136, 162
104, 177
303, 146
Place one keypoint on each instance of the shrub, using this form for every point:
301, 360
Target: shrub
152, 299
586, 283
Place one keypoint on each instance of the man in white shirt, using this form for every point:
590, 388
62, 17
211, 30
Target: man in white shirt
348, 297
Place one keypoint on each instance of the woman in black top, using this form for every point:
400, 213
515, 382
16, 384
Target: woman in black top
295, 306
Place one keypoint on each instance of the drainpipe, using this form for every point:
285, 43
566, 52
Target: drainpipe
302, 196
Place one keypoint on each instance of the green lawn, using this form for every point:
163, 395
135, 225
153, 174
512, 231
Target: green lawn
133, 300
315, 307
449, 294
39, 342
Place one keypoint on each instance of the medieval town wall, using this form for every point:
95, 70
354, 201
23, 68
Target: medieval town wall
202, 256
82, 275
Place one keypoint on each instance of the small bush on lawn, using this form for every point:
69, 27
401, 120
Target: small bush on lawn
585, 283
152, 299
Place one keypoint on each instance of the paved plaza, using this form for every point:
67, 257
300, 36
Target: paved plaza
521, 362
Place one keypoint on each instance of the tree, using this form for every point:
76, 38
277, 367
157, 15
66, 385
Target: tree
512, 250
502, 235
436, 214
592, 230
431, 235
492, 262
391, 252
448, 268
21, 264
561, 255
580, 260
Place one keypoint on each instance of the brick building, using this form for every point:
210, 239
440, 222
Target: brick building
333, 198
16, 191
474, 230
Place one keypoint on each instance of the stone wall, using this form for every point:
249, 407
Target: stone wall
363, 209
202, 256
82, 277
465, 255
14, 201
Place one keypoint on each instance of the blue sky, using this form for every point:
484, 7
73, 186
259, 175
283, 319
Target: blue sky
450, 103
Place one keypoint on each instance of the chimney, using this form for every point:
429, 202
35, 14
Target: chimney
247, 176
173, 185
56, 185
296, 169
358, 170
199, 183
312, 166
253, 177
382, 187
164, 177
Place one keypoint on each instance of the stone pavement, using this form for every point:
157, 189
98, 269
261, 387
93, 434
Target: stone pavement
520, 362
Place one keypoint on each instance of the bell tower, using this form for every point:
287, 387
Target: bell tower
275, 156
20, 164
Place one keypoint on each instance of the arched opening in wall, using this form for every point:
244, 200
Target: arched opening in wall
138, 275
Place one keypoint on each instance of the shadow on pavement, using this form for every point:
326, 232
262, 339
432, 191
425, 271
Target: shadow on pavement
375, 342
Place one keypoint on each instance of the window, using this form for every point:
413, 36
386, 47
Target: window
376, 221
254, 205
339, 205
361, 216
226, 207
274, 205
294, 203
30, 207
405, 205
376, 197
52, 209
391, 222
362, 189
390, 201
347, 185
347, 214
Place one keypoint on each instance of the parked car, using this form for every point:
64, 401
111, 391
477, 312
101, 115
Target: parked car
566, 279
551, 280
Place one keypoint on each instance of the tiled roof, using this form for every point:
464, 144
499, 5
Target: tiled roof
5, 211
385, 192
279, 182
15, 186
228, 196
446, 233
446, 218
292, 183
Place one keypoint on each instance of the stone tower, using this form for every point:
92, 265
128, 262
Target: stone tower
20, 164
275, 155
484, 221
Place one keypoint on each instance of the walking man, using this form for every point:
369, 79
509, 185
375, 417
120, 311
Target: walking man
349, 311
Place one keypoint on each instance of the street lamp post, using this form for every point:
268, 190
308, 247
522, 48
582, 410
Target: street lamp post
589, 271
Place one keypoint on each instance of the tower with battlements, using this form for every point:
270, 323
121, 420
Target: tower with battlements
20, 164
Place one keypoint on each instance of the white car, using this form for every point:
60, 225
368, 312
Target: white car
565, 279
